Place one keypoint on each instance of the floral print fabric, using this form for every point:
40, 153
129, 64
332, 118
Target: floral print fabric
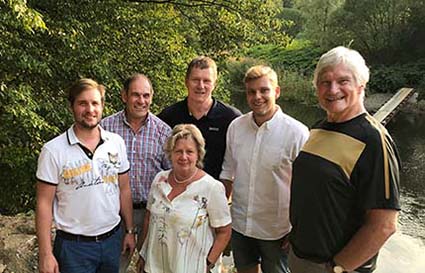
181, 231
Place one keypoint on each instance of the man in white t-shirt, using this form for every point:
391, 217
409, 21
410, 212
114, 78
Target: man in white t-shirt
261, 146
83, 186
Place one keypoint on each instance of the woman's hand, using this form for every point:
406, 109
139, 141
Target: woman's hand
140, 265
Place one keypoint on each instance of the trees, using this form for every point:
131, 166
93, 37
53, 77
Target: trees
47, 44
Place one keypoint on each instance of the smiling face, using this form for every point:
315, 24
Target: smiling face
184, 156
87, 109
261, 95
339, 93
138, 99
200, 83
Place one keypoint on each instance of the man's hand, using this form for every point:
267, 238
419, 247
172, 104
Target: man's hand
285, 244
129, 243
48, 264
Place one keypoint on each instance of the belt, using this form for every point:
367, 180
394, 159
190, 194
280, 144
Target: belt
84, 238
139, 205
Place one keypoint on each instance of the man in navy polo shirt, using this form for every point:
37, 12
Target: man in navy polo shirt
211, 116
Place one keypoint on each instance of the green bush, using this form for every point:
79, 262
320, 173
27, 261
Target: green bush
299, 56
388, 79
294, 86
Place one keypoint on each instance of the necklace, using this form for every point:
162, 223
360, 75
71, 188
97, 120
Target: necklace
185, 180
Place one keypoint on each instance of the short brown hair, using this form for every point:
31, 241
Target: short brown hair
134, 77
83, 84
201, 62
186, 131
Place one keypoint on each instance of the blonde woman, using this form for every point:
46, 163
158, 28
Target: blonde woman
187, 224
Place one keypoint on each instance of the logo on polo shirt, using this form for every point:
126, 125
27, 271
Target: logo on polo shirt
214, 129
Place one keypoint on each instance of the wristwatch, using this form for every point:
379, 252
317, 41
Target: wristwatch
210, 264
131, 231
336, 268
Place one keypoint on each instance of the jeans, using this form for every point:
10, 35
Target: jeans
88, 257
249, 252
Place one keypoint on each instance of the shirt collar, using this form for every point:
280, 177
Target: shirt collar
73, 139
271, 122
210, 112
125, 121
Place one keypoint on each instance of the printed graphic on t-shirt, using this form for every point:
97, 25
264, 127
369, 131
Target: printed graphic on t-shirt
82, 173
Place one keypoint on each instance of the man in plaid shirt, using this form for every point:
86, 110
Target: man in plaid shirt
144, 135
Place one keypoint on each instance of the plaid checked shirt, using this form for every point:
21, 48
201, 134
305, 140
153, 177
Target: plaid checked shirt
144, 150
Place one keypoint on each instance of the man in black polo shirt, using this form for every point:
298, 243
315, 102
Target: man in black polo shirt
211, 116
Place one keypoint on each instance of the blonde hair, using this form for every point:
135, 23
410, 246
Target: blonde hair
186, 131
259, 71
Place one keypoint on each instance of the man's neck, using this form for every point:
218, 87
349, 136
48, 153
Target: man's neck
88, 137
199, 109
136, 123
259, 120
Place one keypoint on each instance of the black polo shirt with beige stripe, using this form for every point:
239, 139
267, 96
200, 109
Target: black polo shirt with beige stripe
343, 170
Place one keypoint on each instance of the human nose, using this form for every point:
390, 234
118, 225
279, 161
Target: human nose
90, 108
201, 84
333, 87
257, 95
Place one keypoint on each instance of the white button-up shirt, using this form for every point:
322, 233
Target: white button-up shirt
259, 162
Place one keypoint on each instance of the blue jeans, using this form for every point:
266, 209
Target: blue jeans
249, 252
88, 257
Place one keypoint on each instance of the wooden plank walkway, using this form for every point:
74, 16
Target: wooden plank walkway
390, 108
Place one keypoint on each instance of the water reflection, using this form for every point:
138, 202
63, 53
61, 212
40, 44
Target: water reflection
408, 131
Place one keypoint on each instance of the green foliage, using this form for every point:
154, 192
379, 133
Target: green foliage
298, 56
384, 31
317, 16
46, 45
295, 86
294, 21
377, 28
385, 79
28, 18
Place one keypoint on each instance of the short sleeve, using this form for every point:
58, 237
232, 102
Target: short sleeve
125, 164
47, 169
379, 175
218, 209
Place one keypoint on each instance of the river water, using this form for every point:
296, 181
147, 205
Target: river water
405, 251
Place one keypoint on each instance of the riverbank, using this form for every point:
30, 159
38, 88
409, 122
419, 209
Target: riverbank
18, 250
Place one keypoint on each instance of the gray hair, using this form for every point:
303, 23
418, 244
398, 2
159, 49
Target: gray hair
342, 55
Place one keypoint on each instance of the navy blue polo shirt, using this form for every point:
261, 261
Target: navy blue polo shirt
213, 127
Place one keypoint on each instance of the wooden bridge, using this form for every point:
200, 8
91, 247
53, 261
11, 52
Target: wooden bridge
391, 107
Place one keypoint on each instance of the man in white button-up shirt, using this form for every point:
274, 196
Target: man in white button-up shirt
261, 146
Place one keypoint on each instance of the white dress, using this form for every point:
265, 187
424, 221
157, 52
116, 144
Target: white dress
181, 231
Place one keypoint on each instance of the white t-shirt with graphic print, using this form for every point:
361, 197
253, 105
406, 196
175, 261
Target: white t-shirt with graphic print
87, 199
